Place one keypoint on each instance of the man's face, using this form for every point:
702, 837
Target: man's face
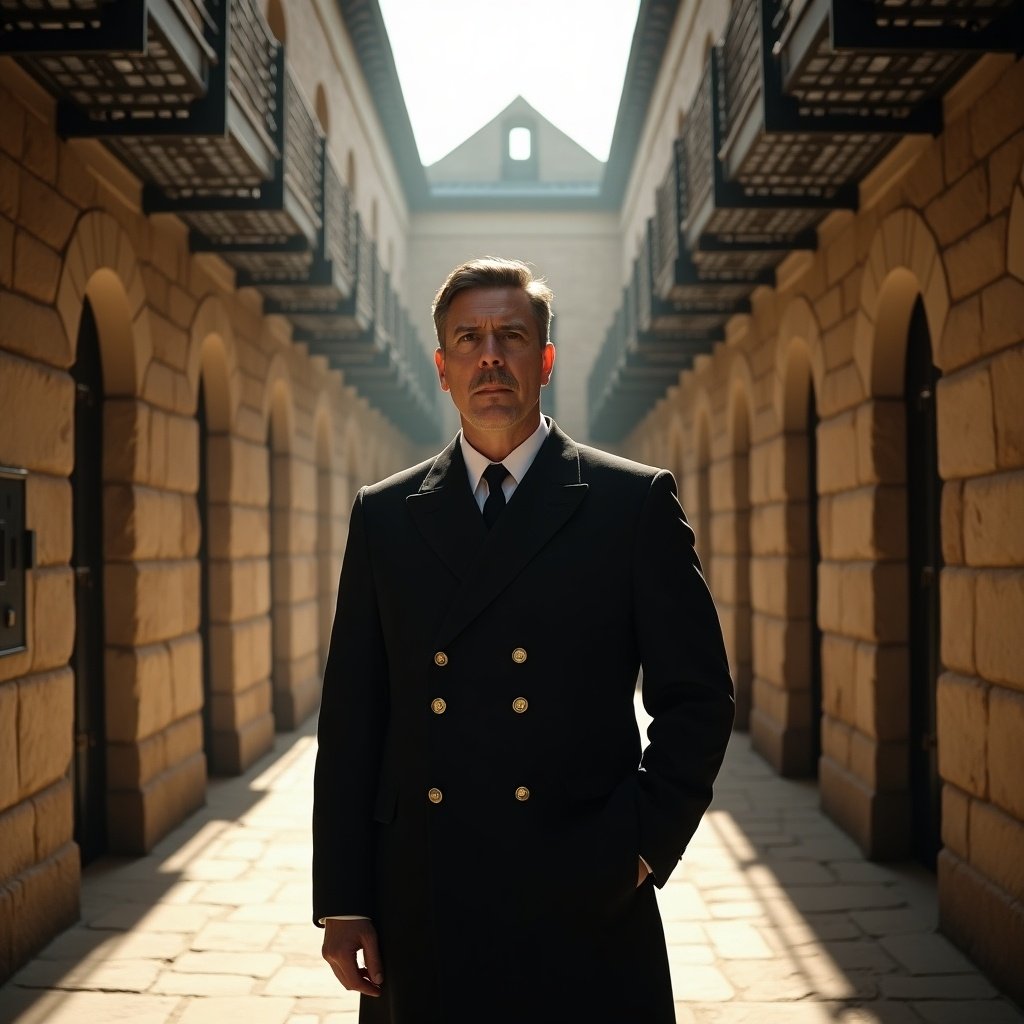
493, 362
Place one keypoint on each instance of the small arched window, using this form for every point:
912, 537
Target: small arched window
520, 143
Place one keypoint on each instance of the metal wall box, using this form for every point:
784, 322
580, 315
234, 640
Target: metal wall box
17, 555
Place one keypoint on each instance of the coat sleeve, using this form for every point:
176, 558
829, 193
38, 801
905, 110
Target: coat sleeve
687, 689
353, 721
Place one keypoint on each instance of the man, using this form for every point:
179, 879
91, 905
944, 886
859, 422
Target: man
484, 831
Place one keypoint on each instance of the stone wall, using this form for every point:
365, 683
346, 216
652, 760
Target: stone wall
817, 371
286, 443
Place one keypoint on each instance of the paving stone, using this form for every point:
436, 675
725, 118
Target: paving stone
173, 983
252, 965
87, 1008
956, 986
229, 936
303, 981
700, 984
926, 954
738, 940
83, 975
261, 1010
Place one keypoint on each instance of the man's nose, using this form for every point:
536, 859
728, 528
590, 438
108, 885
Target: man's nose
490, 350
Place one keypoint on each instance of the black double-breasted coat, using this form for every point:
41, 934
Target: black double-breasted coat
479, 789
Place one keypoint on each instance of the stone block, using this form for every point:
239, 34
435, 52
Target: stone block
186, 663
52, 625
779, 528
46, 711
44, 212
48, 510
838, 676
984, 921
976, 260
39, 405
139, 692
866, 523
951, 517
183, 739
1007, 388
126, 429
782, 650
233, 752
961, 342
295, 578
999, 115
239, 589
45, 901
40, 152
131, 765
787, 749
997, 846
961, 208
882, 691
830, 601
835, 740
956, 605
239, 654
1006, 750
877, 821
150, 601
296, 630
881, 766
238, 472
138, 819
873, 601
957, 155
30, 328
955, 811
10, 183
9, 788
962, 707
1004, 166
1000, 314
880, 426
238, 532
781, 586
837, 454
37, 268
54, 818
230, 712
994, 520
999, 613
143, 524
182, 455
966, 432
18, 849
7, 265
295, 704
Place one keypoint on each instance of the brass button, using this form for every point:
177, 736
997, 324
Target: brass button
520, 704
441, 659
522, 794
519, 655
438, 705
434, 795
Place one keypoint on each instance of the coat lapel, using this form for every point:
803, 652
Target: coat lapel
446, 513
543, 502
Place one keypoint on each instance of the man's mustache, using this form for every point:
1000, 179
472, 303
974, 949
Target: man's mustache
491, 378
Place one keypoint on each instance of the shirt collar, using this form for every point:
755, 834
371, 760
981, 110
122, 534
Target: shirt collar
517, 462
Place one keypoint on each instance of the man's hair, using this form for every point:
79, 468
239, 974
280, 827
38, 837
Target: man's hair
494, 272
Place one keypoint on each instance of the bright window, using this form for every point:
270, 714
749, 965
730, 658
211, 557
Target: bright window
520, 143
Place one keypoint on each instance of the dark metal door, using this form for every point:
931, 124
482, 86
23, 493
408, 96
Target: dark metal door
89, 761
814, 558
924, 561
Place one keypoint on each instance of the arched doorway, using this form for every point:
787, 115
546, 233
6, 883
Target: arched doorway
813, 561
924, 562
89, 761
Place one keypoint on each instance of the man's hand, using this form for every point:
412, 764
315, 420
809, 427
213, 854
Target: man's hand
642, 872
342, 940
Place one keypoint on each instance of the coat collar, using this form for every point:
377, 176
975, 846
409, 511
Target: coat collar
486, 561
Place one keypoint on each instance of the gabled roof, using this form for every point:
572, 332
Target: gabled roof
369, 34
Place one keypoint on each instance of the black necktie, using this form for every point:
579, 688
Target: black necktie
495, 475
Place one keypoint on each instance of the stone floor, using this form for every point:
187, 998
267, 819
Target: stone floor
773, 917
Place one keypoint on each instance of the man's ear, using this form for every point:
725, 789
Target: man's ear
439, 363
547, 363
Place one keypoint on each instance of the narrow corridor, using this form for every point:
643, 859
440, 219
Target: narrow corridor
772, 917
